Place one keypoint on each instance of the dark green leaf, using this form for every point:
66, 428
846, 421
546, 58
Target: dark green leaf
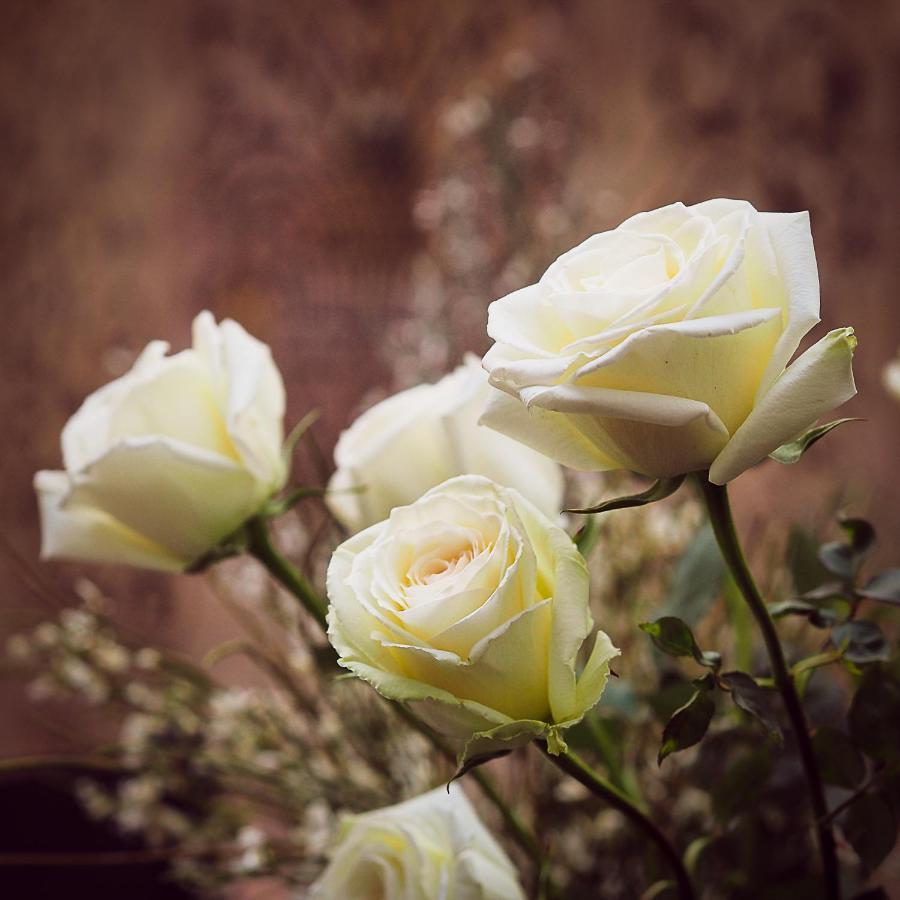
688, 725
803, 561
752, 699
861, 642
838, 558
661, 489
884, 587
871, 829
820, 617
840, 762
845, 560
789, 453
673, 637
861, 533
875, 714
668, 697
697, 578
828, 591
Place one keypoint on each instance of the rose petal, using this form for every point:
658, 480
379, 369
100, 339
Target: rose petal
817, 382
73, 531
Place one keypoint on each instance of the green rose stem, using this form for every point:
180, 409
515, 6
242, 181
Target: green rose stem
716, 498
260, 546
572, 764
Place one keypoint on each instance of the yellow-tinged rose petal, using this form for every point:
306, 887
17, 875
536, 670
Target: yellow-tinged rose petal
820, 380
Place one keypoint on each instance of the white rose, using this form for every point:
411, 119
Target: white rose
472, 605
892, 378
661, 346
164, 462
418, 438
433, 847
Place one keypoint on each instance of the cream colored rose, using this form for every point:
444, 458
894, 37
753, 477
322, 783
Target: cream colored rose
433, 847
892, 377
418, 438
472, 605
661, 346
164, 462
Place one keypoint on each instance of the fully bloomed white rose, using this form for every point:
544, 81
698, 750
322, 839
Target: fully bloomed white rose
433, 847
473, 606
416, 439
166, 461
662, 346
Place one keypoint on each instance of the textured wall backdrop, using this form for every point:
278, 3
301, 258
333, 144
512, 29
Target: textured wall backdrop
333, 174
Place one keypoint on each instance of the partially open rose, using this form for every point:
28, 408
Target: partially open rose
164, 462
661, 346
410, 442
473, 606
433, 846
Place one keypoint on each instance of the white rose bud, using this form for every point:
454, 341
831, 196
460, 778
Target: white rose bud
892, 378
166, 461
433, 847
471, 605
414, 440
661, 346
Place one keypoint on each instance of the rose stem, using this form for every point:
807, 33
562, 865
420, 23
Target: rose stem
574, 765
524, 837
716, 497
260, 546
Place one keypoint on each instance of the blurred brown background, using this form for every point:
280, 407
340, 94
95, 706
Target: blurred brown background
355, 181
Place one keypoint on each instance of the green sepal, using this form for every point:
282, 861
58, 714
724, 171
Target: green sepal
791, 452
297, 432
659, 490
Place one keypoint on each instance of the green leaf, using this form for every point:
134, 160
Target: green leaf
661, 489
874, 715
789, 453
821, 618
840, 762
688, 725
674, 638
803, 561
695, 850
752, 699
846, 559
697, 578
871, 829
861, 533
884, 587
861, 642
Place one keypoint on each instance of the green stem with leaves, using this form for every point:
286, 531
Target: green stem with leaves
716, 498
573, 765
282, 570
